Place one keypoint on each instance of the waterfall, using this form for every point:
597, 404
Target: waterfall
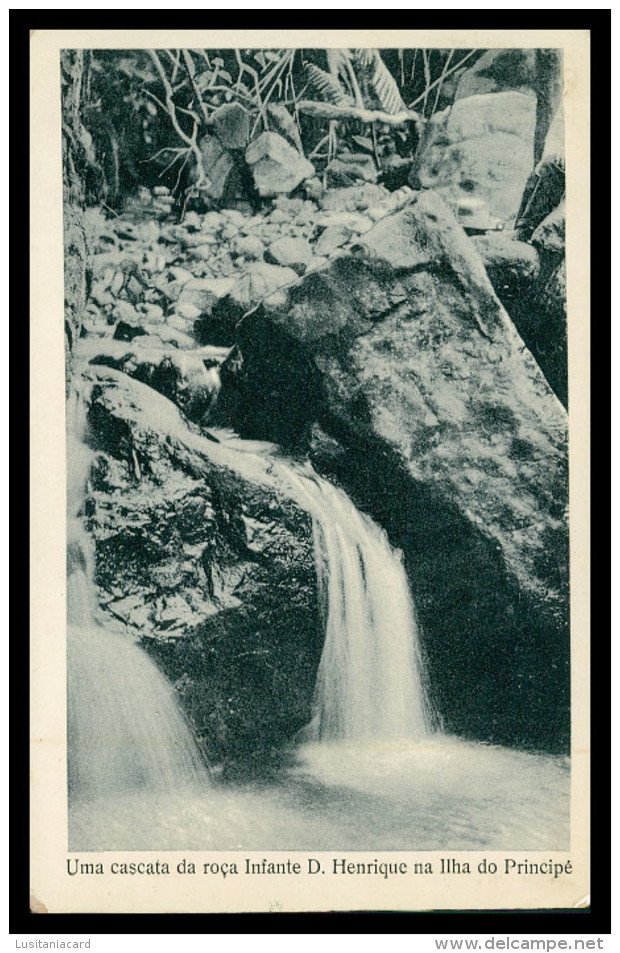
125, 730
373, 776
370, 683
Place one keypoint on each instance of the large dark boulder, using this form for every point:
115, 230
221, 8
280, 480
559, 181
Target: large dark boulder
452, 439
202, 555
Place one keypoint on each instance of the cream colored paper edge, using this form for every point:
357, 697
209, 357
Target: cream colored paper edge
51, 886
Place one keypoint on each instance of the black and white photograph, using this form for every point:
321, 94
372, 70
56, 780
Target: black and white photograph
316, 414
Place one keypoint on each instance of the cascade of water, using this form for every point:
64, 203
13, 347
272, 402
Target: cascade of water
125, 731
370, 683
135, 771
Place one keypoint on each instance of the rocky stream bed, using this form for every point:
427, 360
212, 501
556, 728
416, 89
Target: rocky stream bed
419, 365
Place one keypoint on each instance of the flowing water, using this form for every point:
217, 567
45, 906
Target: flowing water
125, 731
370, 682
370, 771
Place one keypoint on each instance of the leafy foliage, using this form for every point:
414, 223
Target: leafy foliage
326, 86
138, 117
379, 87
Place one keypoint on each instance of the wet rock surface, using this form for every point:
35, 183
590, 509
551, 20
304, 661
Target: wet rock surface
381, 350
192, 558
453, 439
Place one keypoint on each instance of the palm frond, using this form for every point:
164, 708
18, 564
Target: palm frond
379, 88
326, 86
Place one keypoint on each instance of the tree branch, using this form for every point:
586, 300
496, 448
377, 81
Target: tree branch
191, 70
170, 108
443, 77
331, 112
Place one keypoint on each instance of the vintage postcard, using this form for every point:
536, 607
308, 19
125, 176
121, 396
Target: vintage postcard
310, 416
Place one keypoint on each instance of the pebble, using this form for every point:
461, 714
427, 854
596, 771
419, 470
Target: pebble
229, 230
204, 251
192, 221
250, 246
233, 215
126, 312
182, 275
251, 223
177, 335
100, 295
153, 313
187, 309
278, 216
319, 261
178, 322
377, 212
212, 220
254, 252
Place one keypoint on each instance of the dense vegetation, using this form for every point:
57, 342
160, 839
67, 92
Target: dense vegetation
169, 117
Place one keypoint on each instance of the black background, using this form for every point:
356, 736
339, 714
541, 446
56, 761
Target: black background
597, 919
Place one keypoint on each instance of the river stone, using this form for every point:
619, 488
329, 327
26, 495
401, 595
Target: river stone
232, 125
181, 275
177, 334
192, 221
318, 261
186, 375
200, 294
211, 568
276, 165
124, 311
456, 443
197, 295
279, 216
483, 148
248, 246
187, 309
259, 280
218, 165
292, 253
212, 221
354, 221
153, 313
331, 239
178, 322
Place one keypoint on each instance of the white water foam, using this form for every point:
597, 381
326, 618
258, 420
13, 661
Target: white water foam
125, 731
370, 682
